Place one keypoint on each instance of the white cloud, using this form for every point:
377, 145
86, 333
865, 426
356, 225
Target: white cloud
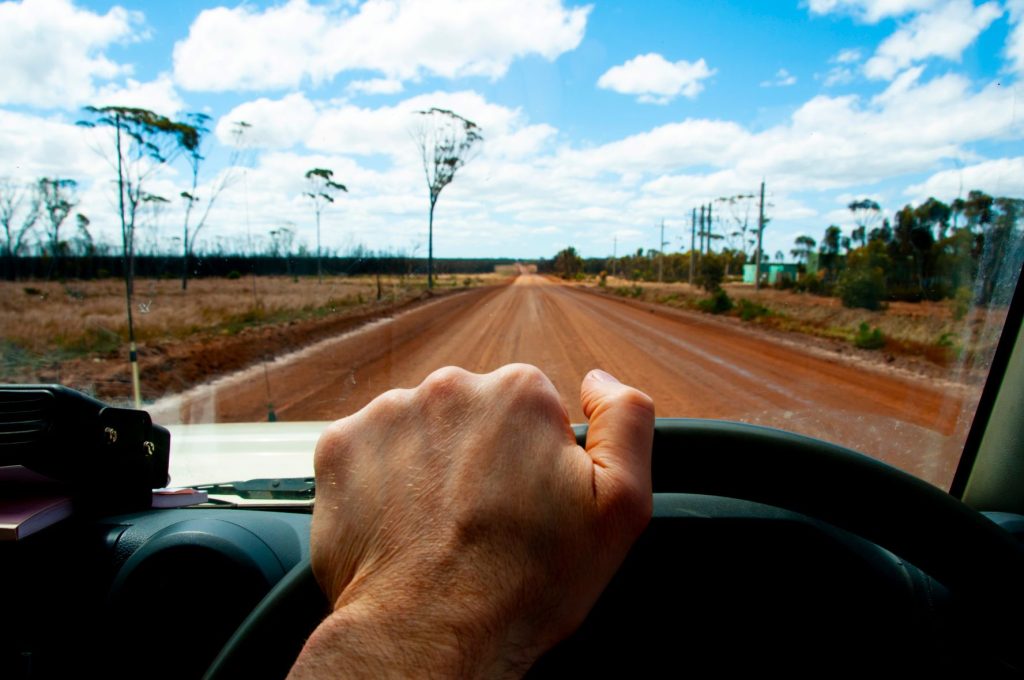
52, 52
871, 11
1014, 49
999, 177
829, 143
276, 123
287, 45
34, 146
842, 72
375, 86
783, 78
945, 32
344, 128
849, 55
157, 95
656, 79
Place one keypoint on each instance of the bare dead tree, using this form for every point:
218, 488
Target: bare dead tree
739, 208
19, 212
195, 155
447, 141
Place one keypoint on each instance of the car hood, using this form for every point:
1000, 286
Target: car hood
224, 452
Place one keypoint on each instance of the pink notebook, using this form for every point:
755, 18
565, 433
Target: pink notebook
25, 514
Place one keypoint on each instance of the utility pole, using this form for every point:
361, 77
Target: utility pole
693, 237
760, 232
661, 253
701, 229
709, 228
615, 254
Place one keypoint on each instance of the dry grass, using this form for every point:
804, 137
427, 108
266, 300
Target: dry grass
53, 320
925, 329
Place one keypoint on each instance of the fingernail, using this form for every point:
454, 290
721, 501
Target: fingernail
602, 376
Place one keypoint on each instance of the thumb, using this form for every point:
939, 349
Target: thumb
620, 433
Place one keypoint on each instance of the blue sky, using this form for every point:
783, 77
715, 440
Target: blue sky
600, 119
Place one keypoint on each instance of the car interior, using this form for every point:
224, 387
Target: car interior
767, 551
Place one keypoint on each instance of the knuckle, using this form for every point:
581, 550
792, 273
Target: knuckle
390, 401
525, 377
333, 442
445, 381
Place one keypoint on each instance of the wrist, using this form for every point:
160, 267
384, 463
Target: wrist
403, 639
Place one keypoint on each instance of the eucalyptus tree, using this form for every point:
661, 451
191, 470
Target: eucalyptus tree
446, 141
138, 143
804, 247
322, 190
57, 199
866, 213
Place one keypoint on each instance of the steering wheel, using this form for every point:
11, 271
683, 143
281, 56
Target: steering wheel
981, 565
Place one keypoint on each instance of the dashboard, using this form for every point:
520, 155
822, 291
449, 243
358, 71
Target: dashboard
722, 581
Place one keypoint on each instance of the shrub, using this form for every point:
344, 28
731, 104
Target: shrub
962, 300
784, 282
868, 338
751, 310
863, 288
628, 291
718, 303
710, 272
234, 274
813, 284
602, 279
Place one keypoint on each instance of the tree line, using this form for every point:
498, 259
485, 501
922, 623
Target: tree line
232, 265
970, 248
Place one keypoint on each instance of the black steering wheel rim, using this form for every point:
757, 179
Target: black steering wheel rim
958, 546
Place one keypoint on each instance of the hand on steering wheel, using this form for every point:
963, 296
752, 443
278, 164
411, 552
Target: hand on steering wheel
462, 518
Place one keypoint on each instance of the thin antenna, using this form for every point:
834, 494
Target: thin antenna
271, 415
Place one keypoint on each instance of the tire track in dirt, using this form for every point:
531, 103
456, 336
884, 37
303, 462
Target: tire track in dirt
691, 367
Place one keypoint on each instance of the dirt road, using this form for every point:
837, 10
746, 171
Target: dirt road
692, 365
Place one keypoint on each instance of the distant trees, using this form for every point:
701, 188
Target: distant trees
19, 211
970, 248
322, 190
828, 251
711, 272
862, 281
568, 263
866, 213
804, 247
446, 142
56, 196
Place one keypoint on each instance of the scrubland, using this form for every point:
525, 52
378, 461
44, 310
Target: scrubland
45, 323
935, 331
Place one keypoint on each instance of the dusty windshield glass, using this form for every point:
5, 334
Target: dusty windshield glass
804, 215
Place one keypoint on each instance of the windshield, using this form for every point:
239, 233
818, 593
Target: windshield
804, 214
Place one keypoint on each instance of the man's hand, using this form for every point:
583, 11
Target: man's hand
460, 531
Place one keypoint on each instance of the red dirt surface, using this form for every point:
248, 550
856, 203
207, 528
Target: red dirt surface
692, 365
